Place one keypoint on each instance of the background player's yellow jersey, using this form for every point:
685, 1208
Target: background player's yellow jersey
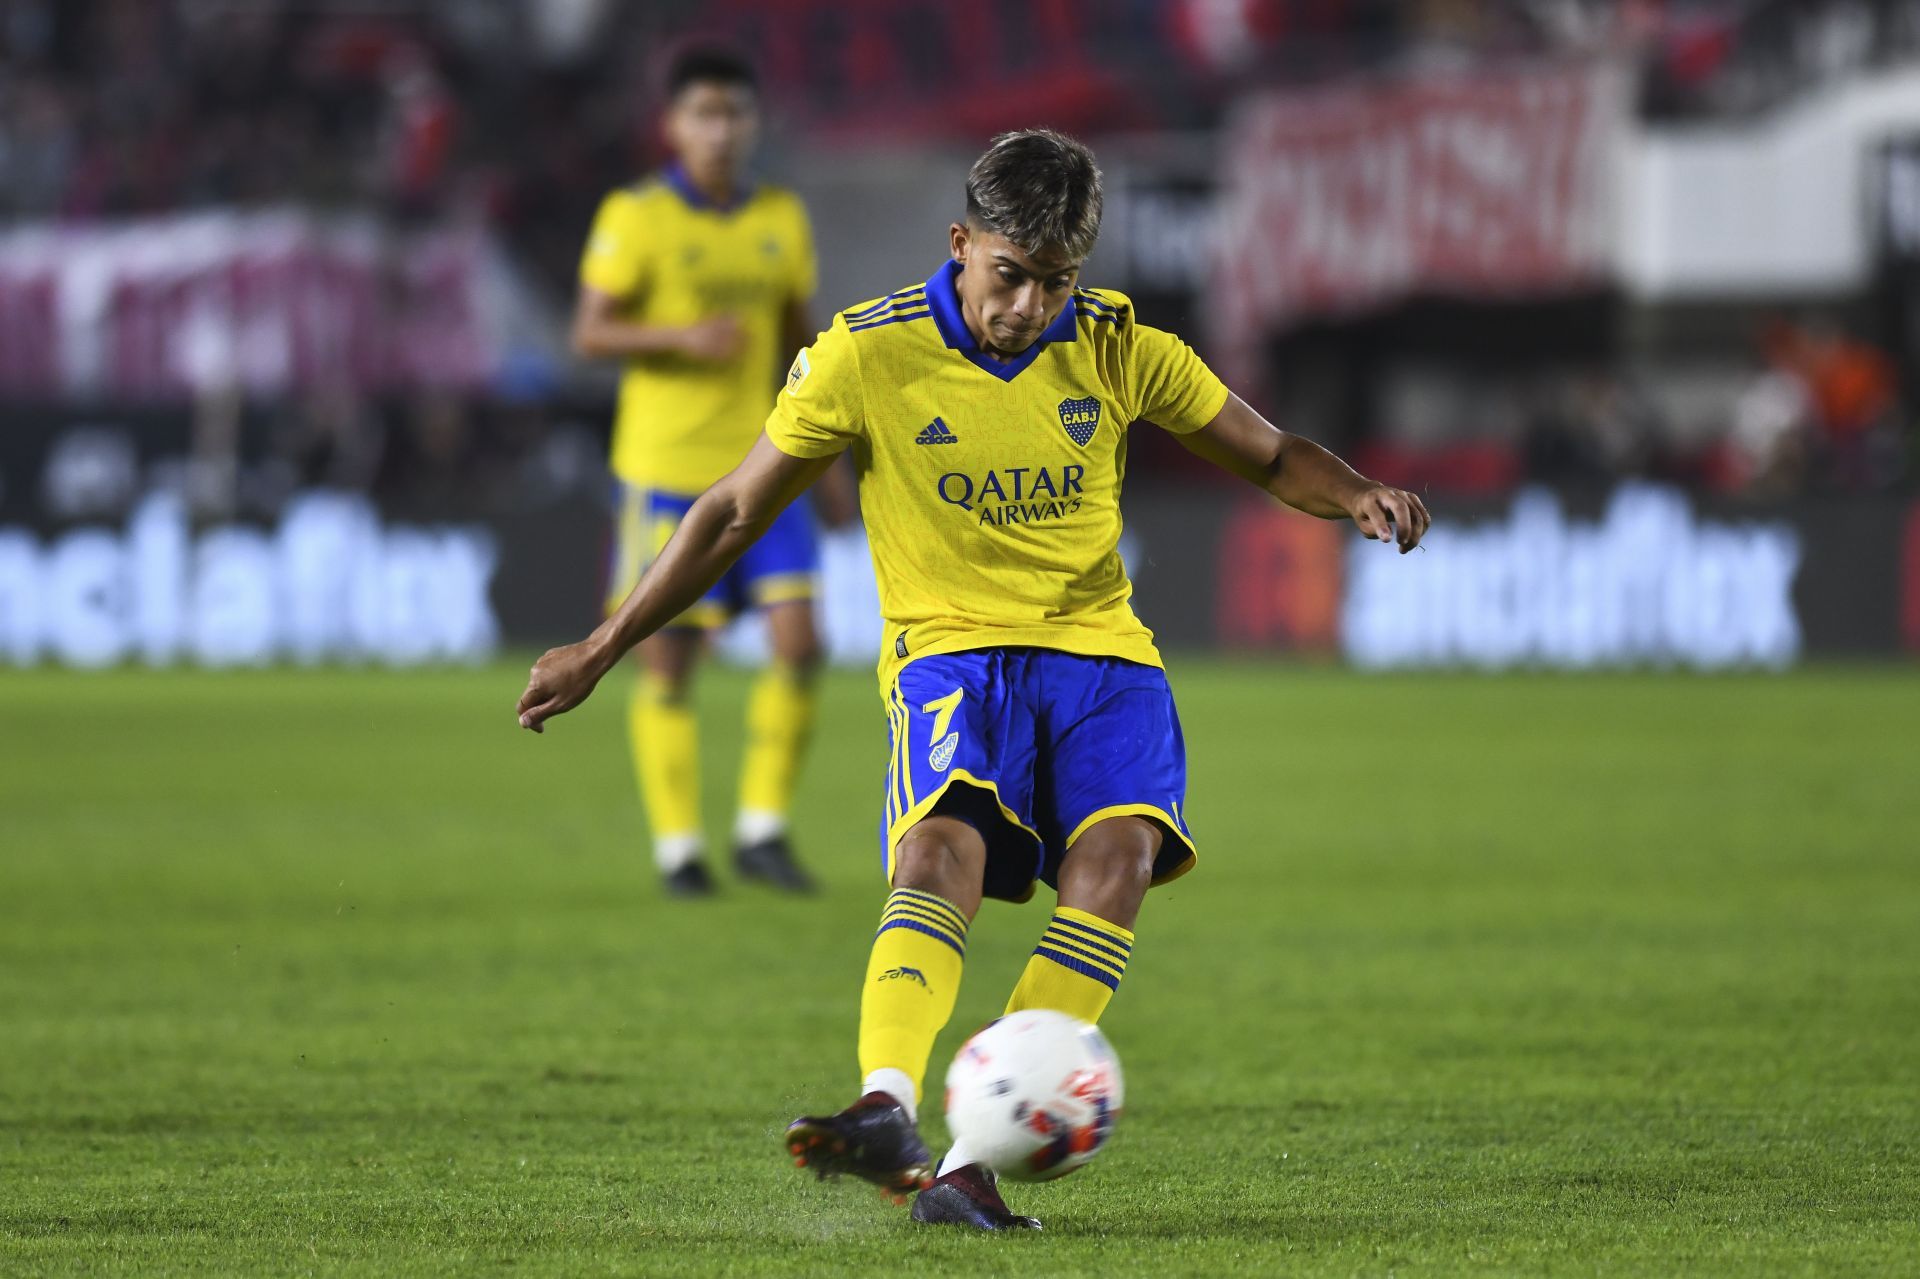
990, 491
677, 259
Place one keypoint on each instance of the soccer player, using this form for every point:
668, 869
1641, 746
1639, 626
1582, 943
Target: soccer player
1033, 733
698, 280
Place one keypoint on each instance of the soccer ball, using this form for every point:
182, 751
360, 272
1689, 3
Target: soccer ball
1034, 1095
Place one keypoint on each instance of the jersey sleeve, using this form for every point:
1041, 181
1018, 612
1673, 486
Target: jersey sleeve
820, 410
1173, 387
615, 256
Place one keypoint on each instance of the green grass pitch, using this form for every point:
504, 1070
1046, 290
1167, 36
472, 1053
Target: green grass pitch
341, 973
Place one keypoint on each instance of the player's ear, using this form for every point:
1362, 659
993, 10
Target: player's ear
958, 239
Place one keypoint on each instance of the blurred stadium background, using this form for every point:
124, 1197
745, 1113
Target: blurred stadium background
283, 287
324, 967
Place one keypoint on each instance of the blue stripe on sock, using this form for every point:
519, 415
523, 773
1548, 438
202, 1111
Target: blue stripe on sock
930, 931
1110, 939
906, 911
1085, 952
931, 902
931, 920
1079, 966
1117, 958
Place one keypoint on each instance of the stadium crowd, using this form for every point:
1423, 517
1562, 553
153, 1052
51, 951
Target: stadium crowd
520, 116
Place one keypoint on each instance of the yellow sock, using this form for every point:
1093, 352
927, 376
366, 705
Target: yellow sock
1076, 967
666, 763
779, 721
913, 977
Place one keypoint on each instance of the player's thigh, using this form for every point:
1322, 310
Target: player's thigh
961, 746
1115, 750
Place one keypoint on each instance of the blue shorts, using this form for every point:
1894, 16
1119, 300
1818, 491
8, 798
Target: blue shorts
1031, 746
783, 565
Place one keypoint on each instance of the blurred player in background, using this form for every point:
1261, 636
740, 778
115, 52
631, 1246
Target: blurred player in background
1034, 734
698, 279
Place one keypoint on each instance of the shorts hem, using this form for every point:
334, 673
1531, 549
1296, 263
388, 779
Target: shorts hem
921, 810
1161, 816
784, 588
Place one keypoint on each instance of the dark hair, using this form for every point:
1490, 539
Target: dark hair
1038, 188
709, 64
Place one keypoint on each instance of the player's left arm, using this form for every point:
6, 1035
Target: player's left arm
1306, 476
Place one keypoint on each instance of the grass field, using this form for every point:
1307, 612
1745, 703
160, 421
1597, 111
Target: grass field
342, 973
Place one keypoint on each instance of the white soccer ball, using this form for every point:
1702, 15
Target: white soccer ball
1034, 1095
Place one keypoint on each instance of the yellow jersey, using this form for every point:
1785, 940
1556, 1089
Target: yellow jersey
675, 259
990, 490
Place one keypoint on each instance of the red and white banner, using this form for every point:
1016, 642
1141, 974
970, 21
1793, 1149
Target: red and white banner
159, 309
1488, 183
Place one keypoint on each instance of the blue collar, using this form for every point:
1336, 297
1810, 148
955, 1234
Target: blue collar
675, 176
953, 327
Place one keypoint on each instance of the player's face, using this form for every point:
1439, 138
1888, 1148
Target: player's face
712, 128
1009, 296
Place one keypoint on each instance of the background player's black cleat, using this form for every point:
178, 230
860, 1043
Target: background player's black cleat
873, 1139
771, 861
691, 880
969, 1196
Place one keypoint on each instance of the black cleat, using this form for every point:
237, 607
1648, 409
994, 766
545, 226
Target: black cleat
873, 1139
691, 880
771, 862
969, 1196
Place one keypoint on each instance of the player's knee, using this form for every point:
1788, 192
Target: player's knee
1110, 867
796, 640
667, 663
803, 658
943, 857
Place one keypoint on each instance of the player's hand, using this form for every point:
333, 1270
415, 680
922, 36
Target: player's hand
559, 681
713, 341
1390, 514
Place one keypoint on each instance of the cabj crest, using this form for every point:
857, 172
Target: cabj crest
1081, 417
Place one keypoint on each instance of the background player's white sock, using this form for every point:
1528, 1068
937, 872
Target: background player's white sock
755, 825
671, 852
957, 1157
897, 1084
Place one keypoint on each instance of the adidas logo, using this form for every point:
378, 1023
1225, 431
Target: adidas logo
936, 432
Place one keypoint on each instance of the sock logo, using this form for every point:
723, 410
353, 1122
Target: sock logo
910, 974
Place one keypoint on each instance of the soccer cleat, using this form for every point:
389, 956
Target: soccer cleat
690, 880
771, 862
969, 1196
873, 1139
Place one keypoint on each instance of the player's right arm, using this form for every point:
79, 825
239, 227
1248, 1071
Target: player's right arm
602, 331
820, 412
723, 522
613, 273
